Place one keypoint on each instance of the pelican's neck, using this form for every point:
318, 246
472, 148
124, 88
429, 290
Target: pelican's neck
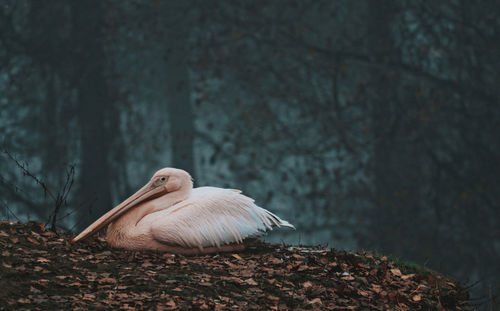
118, 228
166, 201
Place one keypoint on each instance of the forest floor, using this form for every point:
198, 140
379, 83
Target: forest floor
42, 270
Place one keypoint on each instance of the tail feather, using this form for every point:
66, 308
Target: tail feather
284, 223
280, 222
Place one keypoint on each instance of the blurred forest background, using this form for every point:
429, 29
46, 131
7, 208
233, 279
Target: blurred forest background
367, 124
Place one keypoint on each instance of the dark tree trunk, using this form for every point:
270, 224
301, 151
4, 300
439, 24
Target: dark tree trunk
178, 97
94, 110
389, 154
397, 161
46, 47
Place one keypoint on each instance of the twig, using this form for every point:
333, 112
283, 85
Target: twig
8, 209
62, 195
28, 173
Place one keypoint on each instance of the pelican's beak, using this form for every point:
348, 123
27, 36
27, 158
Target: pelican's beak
148, 192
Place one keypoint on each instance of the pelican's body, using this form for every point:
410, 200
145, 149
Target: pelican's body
169, 215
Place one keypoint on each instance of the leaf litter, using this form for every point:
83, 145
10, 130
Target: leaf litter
42, 270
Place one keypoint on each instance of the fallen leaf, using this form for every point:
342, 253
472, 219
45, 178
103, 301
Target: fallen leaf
396, 272
363, 293
77, 284
42, 260
88, 297
315, 301
106, 281
417, 298
251, 282
407, 276
33, 241
237, 256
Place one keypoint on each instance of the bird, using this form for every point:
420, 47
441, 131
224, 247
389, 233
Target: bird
169, 215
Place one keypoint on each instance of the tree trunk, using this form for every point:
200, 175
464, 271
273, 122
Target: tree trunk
94, 110
178, 97
397, 162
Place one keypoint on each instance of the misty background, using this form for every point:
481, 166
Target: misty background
367, 124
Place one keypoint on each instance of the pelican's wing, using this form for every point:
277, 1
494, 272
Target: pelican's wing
213, 217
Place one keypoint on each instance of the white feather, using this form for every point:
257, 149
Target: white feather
213, 217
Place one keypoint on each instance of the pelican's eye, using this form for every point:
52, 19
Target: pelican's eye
159, 181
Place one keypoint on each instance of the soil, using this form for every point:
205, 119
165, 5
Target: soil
42, 270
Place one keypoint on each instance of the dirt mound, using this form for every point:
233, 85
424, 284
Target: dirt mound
42, 270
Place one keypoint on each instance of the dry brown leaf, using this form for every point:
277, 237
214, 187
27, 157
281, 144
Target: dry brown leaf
88, 297
307, 284
61, 277
417, 298
407, 276
42, 260
237, 256
251, 282
147, 264
396, 272
106, 280
315, 301
273, 298
364, 293
77, 284
33, 241
219, 307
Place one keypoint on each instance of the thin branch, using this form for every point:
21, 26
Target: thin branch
29, 174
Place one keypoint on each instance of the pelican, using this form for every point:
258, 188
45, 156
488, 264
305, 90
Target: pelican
169, 215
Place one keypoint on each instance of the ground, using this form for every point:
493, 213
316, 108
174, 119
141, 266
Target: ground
42, 270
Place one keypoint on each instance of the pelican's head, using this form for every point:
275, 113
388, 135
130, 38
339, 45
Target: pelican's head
166, 180
173, 179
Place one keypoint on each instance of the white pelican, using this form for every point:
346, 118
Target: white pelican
167, 214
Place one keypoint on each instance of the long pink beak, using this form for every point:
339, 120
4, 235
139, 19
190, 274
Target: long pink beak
146, 193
